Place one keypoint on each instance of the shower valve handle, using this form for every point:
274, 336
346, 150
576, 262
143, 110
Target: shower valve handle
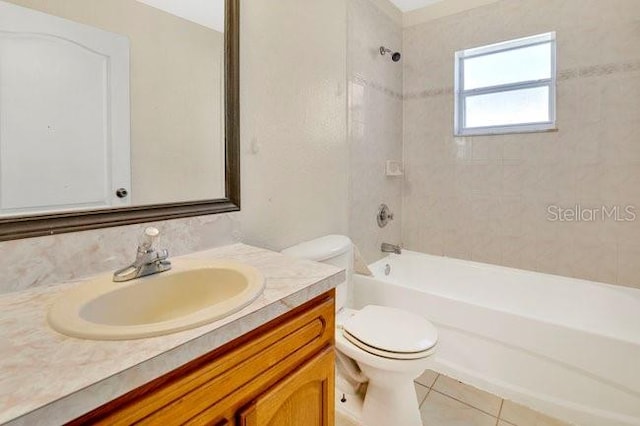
384, 215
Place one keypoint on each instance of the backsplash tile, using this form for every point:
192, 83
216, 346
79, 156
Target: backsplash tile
53, 259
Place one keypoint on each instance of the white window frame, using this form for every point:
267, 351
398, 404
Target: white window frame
461, 94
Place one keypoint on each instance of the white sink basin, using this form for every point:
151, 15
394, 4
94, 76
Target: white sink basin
191, 294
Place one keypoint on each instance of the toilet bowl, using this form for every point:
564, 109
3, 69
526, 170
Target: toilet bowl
382, 347
389, 362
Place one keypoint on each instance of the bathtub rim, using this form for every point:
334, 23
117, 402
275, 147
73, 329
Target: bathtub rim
634, 292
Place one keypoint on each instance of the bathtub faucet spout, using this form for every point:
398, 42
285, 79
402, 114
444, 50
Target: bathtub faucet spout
391, 248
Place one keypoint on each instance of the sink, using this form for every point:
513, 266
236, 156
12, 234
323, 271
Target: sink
191, 294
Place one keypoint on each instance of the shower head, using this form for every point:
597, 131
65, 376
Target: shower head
395, 56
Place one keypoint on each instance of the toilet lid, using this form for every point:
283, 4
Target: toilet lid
391, 332
387, 354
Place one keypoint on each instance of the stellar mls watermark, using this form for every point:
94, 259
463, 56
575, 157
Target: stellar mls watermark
579, 213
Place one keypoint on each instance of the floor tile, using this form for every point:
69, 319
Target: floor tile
421, 392
519, 415
441, 410
468, 394
427, 378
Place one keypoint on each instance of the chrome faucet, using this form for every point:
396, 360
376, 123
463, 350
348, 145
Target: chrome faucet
391, 248
148, 260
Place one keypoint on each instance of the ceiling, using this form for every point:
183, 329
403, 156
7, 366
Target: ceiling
407, 5
204, 12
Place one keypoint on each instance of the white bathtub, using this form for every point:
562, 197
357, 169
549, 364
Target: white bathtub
566, 347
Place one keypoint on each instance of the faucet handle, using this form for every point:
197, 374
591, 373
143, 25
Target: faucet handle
148, 237
162, 255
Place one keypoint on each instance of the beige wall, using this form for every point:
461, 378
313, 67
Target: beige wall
390, 10
176, 96
294, 142
485, 198
294, 153
440, 9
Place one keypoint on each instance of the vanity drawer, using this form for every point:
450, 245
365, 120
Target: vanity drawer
228, 378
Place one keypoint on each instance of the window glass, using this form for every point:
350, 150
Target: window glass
511, 66
506, 87
508, 108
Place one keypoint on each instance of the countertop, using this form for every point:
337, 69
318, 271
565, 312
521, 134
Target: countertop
48, 378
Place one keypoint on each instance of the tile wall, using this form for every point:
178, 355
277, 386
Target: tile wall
486, 198
375, 123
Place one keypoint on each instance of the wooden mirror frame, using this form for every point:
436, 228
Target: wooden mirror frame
12, 228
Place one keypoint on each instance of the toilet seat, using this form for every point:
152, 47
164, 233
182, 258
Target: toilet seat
384, 353
390, 333
383, 363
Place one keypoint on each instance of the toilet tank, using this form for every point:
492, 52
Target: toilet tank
334, 250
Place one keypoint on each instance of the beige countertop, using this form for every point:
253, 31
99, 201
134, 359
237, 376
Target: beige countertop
48, 378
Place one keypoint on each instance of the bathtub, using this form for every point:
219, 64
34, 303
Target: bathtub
565, 347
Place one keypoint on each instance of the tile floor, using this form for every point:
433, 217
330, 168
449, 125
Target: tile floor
448, 402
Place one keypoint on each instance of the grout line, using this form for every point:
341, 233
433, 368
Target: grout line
425, 398
465, 403
499, 412
499, 415
420, 401
428, 390
435, 380
428, 386
468, 404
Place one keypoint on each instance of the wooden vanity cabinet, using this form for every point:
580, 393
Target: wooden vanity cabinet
303, 398
280, 374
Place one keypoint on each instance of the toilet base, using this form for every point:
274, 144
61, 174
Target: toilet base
390, 400
350, 408
384, 406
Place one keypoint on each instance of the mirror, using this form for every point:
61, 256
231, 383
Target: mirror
116, 112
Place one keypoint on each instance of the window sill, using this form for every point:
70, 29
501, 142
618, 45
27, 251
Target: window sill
512, 131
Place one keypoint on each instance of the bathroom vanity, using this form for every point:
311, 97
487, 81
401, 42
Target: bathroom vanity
281, 373
269, 363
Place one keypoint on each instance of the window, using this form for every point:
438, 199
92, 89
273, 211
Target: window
506, 87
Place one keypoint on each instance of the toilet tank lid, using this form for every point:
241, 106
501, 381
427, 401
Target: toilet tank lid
320, 249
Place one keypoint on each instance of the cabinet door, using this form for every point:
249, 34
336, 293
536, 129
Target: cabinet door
303, 398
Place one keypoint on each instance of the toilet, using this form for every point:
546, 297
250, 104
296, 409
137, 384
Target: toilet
380, 349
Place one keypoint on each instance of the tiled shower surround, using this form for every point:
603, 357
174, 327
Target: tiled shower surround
486, 198
375, 124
